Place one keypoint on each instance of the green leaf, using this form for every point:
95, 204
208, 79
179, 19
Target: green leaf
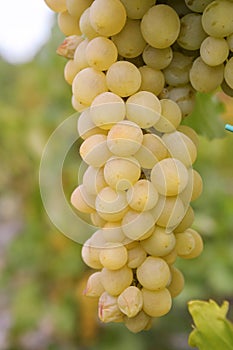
205, 118
212, 329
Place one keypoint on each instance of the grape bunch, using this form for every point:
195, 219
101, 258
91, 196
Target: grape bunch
135, 67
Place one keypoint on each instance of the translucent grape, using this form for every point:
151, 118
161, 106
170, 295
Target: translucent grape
160, 243
160, 26
85, 25
152, 80
107, 109
113, 256
169, 176
156, 303
115, 281
152, 150
154, 273
93, 180
87, 84
67, 24
86, 127
137, 8
130, 301
121, 172
124, 138
94, 150
83, 201
157, 58
142, 196
123, 78
137, 225
170, 117
111, 205
101, 53
191, 32
177, 282
143, 108
130, 42
77, 7
94, 287
216, 20
56, 5
214, 51
228, 72
107, 17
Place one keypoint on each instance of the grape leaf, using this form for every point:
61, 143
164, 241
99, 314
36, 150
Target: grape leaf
212, 329
205, 118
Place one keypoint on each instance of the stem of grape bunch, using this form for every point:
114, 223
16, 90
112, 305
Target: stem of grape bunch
134, 68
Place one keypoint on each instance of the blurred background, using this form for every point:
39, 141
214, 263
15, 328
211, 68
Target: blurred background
42, 275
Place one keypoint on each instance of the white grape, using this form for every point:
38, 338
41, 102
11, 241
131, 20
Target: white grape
124, 138
160, 26
143, 108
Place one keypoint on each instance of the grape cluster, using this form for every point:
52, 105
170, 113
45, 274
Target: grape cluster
134, 67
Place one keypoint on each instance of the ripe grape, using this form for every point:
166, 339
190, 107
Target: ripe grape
160, 26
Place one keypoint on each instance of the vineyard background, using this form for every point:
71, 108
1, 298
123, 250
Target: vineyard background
42, 275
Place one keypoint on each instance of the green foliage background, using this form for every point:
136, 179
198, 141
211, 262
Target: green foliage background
41, 306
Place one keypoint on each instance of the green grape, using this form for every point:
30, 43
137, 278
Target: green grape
191, 32
153, 273
101, 53
152, 80
186, 222
115, 281
121, 172
160, 26
214, 51
130, 42
93, 180
70, 71
108, 310
56, 5
143, 108
185, 243
77, 7
87, 84
153, 150
82, 200
130, 301
181, 147
111, 205
80, 55
138, 225
228, 72
94, 150
86, 127
168, 212
124, 138
136, 255
177, 282
137, 323
94, 287
135, 9
123, 78
157, 58
107, 109
169, 176
142, 196
67, 24
85, 25
107, 17
170, 117
160, 243
198, 245
197, 5
156, 303
177, 73
216, 20
112, 232
113, 256
91, 250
